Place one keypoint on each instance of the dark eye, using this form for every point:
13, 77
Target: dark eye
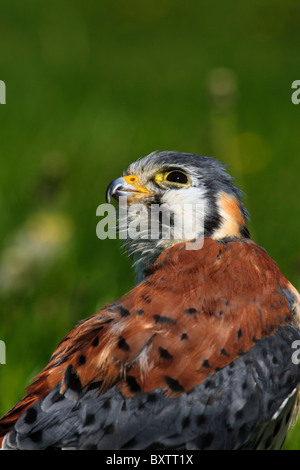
177, 177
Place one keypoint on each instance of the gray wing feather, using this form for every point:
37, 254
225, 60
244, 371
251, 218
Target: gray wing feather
233, 408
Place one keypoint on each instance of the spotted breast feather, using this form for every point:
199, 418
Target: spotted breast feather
196, 356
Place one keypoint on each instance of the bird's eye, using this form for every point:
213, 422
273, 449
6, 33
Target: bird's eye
176, 176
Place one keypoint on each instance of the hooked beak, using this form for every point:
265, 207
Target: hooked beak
126, 186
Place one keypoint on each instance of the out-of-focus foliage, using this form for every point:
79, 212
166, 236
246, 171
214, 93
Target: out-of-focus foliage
93, 85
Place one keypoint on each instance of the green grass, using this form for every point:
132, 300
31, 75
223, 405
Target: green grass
91, 86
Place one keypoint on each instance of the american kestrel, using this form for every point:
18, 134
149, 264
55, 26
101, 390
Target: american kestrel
198, 355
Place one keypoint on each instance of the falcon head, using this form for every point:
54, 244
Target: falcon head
177, 182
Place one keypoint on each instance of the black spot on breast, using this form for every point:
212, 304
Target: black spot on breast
123, 311
95, 341
206, 364
30, 415
239, 333
191, 311
208, 384
184, 336
151, 398
200, 419
173, 384
89, 419
147, 272
72, 380
163, 319
185, 422
140, 312
81, 360
164, 353
122, 344
274, 360
106, 405
132, 384
245, 385
223, 352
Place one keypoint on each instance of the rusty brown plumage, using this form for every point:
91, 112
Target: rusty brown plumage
194, 313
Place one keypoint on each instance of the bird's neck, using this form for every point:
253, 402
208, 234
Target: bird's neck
144, 252
144, 249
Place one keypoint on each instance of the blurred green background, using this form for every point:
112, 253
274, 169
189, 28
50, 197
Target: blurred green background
91, 86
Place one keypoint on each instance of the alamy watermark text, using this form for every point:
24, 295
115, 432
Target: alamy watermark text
2, 352
2, 92
296, 94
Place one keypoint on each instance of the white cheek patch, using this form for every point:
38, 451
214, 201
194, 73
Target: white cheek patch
187, 209
152, 229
